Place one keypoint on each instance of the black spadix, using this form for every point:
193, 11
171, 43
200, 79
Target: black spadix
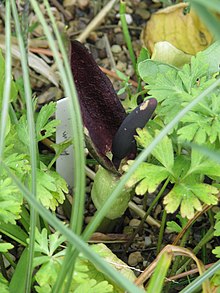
123, 142
107, 128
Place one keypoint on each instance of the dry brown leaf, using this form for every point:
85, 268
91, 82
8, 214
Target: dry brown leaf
185, 32
36, 63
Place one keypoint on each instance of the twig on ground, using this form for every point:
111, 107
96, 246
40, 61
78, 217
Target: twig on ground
151, 221
96, 20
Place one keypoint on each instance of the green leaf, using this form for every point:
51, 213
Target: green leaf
215, 280
173, 227
18, 163
18, 276
201, 164
149, 70
61, 188
191, 73
144, 55
45, 185
163, 152
216, 251
10, 202
121, 91
50, 263
47, 275
20, 86
59, 149
44, 128
48, 244
91, 286
14, 232
50, 188
189, 197
103, 251
3, 285
211, 56
147, 177
202, 124
2, 82
4, 247
217, 225
8, 124
121, 75
187, 132
22, 132
176, 88
86, 277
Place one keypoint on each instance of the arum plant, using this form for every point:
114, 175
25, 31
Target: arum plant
109, 132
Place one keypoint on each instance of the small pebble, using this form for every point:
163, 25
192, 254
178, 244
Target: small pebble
134, 223
100, 44
102, 54
137, 199
67, 3
130, 70
122, 57
134, 258
147, 241
93, 37
116, 49
128, 18
83, 3
129, 10
117, 30
145, 14
146, 263
119, 39
121, 66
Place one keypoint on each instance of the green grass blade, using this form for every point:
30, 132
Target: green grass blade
74, 239
32, 147
7, 84
214, 155
126, 33
208, 18
156, 281
17, 284
213, 5
161, 232
14, 232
